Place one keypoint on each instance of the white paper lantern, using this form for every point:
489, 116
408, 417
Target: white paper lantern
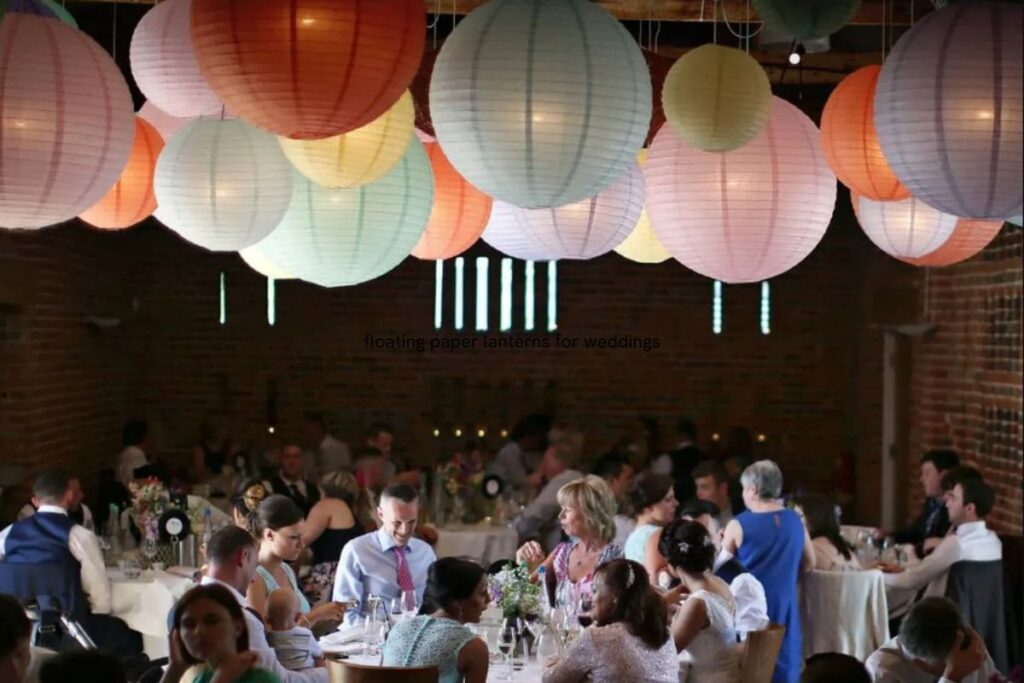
745, 215
540, 104
223, 185
164, 123
164, 66
1016, 220
582, 230
341, 237
949, 113
262, 264
906, 228
67, 121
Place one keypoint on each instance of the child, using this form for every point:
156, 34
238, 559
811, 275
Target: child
295, 646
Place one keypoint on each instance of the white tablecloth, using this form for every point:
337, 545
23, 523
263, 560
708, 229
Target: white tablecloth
145, 603
484, 543
532, 672
844, 612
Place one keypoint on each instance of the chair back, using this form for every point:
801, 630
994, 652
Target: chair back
347, 672
845, 612
762, 650
977, 589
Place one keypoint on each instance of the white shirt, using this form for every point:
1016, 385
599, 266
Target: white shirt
300, 485
662, 464
129, 460
751, 604
890, 664
87, 520
85, 548
972, 542
266, 657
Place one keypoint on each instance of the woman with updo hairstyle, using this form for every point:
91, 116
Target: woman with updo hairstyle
456, 595
629, 640
652, 504
704, 627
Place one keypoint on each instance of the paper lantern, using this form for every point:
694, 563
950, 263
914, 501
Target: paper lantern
907, 228
504, 233
658, 66
802, 19
308, 69
1016, 220
164, 123
358, 157
131, 199
642, 245
948, 109
222, 184
459, 213
341, 237
60, 12
540, 104
41, 8
850, 141
582, 230
745, 215
968, 238
716, 98
67, 122
262, 264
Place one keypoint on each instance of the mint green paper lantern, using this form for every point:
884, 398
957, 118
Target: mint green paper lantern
805, 19
62, 13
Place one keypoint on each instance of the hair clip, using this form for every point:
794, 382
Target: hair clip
253, 496
684, 547
707, 541
630, 575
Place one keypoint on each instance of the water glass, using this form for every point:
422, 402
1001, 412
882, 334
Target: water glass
409, 606
507, 637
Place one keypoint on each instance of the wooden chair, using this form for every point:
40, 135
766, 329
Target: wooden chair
760, 654
341, 671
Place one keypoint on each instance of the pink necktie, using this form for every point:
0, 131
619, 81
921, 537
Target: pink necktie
405, 582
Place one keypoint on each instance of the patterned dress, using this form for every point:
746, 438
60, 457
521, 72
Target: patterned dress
428, 641
612, 551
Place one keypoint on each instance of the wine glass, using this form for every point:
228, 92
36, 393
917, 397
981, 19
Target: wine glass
396, 609
507, 637
583, 615
408, 604
149, 550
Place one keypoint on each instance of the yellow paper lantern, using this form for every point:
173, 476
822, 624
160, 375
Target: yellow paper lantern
257, 259
358, 157
642, 245
716, 98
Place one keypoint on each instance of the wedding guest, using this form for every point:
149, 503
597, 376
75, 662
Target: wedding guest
370, 473
653, 503
711, 483
629, 640
540, 520
281, 526
210, 629
704, 627
288, 480
772, 543
833, 667
514, 461
328, 454
330, 526
684, 458
79, 512
931, 525
134, 437
249, 493
831, 551
216, 448
15, 644
934, 644
84, 666
587, 518
381, 435
618, 474
295, 645
456, 595
233, 556
386, 562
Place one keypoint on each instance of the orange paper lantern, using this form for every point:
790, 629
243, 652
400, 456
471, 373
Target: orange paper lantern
308, 69
459, 214
851, 143
969, 237
131, 199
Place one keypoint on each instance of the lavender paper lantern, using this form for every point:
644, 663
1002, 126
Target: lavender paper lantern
67, 122
949, 113
906, 228
746, 215
503, 233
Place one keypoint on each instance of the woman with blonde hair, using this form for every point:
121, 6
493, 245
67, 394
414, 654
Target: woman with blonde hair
330, 525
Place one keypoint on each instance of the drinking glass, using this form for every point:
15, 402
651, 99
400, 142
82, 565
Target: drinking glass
583, 615
131, 568
149, 550
396, 609
409, 606
507, 637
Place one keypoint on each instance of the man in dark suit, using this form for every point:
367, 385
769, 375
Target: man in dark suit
930, 526
288, 480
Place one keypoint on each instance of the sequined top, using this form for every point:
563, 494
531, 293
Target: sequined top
611, 654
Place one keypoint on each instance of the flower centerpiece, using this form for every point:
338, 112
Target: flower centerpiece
512, 591
150, 499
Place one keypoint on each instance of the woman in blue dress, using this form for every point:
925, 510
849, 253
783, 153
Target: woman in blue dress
771, 542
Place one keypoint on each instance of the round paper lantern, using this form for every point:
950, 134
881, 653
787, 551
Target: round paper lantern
642, 245
540, 104
60, 12
222, 184
164, 123
41, 8
358, 157
1016, 220
948, 109
67, 121
164, 66
907, 228
262, 264
968, 238
503, 232
745, 215
459, 213
341, 237
802, 19
308, 69
131, 199
582, 230
850, 141
716, 98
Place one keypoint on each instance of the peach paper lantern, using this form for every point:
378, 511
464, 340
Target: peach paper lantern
131, 199
968, 238
164, 123
308, 69
851, 142
459, 214
66, 118
746, 215
907, 228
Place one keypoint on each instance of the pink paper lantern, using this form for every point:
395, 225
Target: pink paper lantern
67, 121
949, 113
906, 228
745, 215
164, 123
164, 66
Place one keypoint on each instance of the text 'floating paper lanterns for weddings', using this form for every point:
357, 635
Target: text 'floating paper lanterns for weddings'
716, 98
131, 199
308, 69
459, 213
642, 245
67, 122
539, 103
904, 229
222, 184
968, 238
745, 215
948, 109
340, 237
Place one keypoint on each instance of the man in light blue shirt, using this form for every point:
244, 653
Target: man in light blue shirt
387, 561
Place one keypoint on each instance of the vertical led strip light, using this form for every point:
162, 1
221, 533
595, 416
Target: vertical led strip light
483, 269
528, 322
506, 295
438, 293
766, 308
460, 282
716, 308
223, 300
552, 296
271, 301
